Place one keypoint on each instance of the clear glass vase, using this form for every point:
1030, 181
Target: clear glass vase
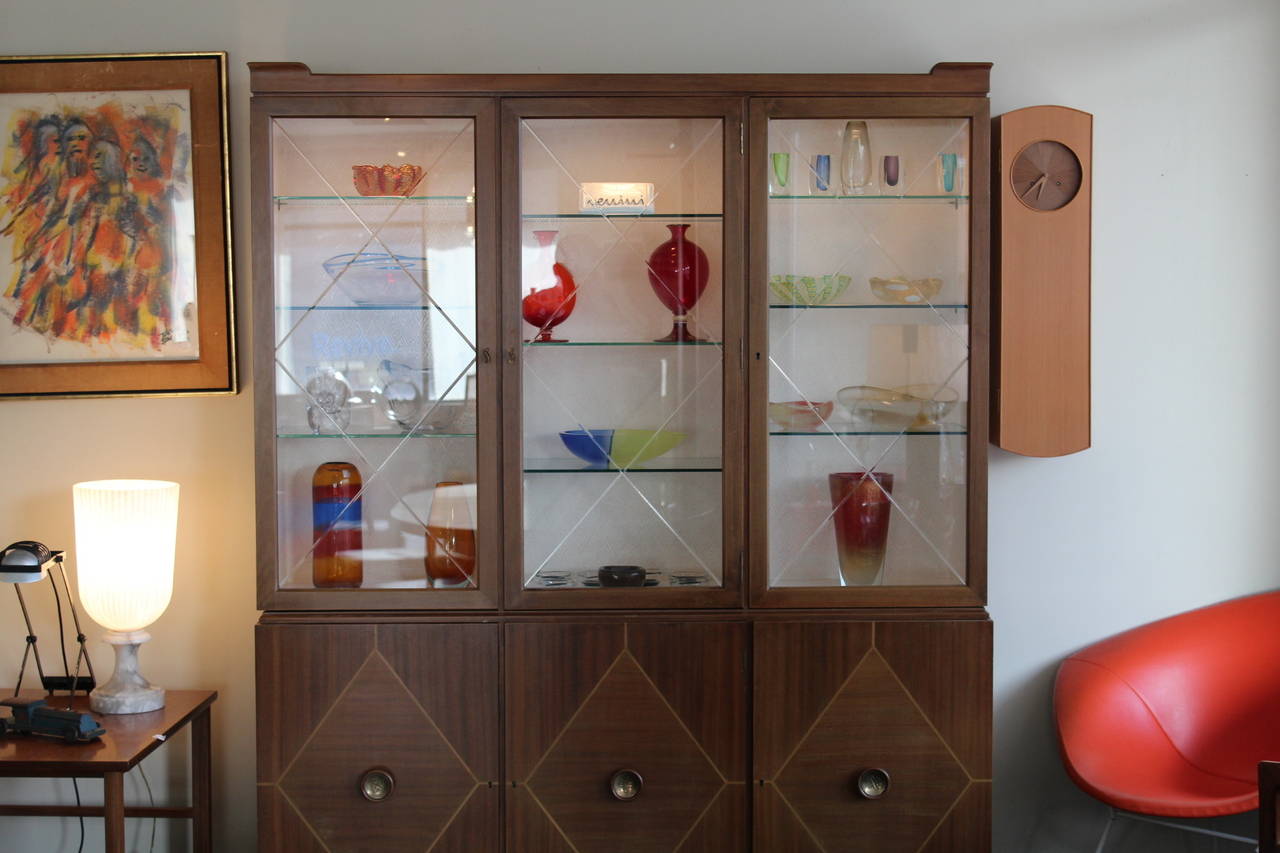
855, 159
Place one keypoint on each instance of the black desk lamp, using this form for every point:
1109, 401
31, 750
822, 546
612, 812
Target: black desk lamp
29, 562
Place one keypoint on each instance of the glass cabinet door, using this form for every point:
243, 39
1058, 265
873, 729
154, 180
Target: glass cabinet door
863, 312
377, 380
621, 297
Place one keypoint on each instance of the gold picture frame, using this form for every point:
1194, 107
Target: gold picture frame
115, 226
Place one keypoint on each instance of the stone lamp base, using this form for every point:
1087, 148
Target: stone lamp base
127, 692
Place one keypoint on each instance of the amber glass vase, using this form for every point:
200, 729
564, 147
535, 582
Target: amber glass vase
860, 513
451, 536
336, 561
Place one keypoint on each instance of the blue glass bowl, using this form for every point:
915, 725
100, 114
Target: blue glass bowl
590, 445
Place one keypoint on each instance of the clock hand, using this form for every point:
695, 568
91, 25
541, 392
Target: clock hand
1039, 184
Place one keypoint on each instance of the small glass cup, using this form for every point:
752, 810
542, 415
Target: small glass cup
892, 173
948, 173
820, 174
781, 163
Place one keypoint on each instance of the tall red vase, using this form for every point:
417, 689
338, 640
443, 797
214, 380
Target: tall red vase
678, 273
861, 518
552, 290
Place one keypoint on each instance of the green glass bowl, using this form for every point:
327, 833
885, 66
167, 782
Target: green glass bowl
808, 289
634, 446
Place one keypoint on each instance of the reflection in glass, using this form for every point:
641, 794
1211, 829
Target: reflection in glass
375, 336
868, 363
622, 437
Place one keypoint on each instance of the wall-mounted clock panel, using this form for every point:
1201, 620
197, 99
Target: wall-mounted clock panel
1042, 198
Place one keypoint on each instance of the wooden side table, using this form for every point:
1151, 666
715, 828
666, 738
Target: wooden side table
129, 739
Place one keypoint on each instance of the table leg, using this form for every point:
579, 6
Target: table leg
113, 817
201, 784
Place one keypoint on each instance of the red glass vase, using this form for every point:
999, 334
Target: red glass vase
678, 273
861, 518
553, 294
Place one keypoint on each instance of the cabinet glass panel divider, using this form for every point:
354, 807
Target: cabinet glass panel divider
623, 324
867, 318
375, 224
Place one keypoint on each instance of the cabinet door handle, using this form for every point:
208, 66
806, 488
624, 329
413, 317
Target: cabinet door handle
485, 355
376, 784
872, 783
625, 785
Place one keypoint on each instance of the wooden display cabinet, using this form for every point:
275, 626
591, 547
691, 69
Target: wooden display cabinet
597, 587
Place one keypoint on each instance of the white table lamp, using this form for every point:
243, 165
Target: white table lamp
125, 536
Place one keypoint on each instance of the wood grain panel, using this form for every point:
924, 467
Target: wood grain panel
551, 668
280, 830
945, 78
723, 829
871, 724
1040, 399
376, 724
529, 830
625, 724
968, 827
453, 671
701, 669
799, 666
301, 670
777, 829
477, 826
946, 667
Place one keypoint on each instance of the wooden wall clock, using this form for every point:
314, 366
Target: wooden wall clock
1042, 201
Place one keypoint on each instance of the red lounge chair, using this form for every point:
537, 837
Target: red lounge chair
1170, 719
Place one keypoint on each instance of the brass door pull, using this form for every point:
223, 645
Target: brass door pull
873, 783
625, 785
377, 784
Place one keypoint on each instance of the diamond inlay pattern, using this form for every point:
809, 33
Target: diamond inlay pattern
431, 783
625, 723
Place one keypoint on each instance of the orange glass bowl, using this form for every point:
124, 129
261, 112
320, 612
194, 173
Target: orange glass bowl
387, 179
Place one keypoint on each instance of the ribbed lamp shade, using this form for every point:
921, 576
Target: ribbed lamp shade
125, 535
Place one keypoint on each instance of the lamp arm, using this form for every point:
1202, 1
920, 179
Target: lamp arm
75, 618
31, 640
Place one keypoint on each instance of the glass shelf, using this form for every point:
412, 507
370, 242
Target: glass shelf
623, 343
591, 580
362, 308
395, 435
371, 200
877, 306
942, 430
658, 217
937, 198
664, 465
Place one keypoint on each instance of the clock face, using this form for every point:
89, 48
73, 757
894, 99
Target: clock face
1046, 175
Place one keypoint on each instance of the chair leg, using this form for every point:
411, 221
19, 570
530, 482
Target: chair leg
1111, 818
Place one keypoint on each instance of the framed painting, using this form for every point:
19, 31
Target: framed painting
115, 231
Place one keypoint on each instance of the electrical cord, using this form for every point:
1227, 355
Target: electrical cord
76, 785
152, 798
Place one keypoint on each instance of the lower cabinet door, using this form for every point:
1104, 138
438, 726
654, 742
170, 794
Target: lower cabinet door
626, 738
872, 737
378, 737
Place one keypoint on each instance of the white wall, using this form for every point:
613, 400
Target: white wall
1172, 508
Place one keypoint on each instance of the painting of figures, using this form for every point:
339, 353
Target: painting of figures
97, 236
